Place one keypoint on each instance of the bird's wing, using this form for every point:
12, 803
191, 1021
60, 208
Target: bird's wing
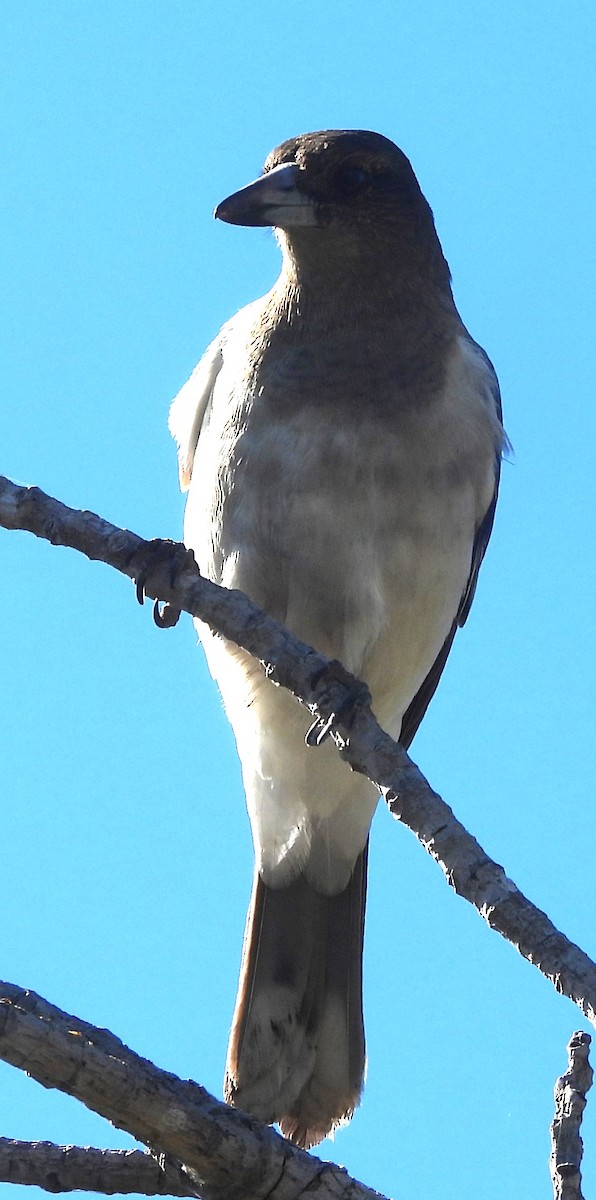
189, 407
486, 525
415, 712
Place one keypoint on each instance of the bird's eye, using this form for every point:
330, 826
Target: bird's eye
351, 179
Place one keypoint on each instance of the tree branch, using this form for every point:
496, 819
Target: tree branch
570, 1101
227, 1154
86, 1169
325, 688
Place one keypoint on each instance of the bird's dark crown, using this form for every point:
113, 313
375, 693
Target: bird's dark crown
355, 167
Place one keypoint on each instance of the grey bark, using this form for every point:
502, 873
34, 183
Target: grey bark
87, 1169
226, 1154
570, 1101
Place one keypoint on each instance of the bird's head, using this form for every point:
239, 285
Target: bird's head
337, 176
347, 188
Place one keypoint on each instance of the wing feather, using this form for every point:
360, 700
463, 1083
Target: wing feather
415, 712
188, 408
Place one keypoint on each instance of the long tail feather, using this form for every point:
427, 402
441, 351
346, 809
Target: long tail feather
296, 1052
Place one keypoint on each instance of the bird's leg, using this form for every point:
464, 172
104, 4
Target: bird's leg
160, 560
356, 694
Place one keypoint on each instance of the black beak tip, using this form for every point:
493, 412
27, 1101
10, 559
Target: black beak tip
232, 212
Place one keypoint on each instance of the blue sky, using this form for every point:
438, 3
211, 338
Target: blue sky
127, 858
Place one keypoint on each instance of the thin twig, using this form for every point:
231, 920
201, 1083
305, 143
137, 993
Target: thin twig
570, 1101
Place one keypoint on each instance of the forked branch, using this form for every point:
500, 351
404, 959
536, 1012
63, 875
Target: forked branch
205, 1147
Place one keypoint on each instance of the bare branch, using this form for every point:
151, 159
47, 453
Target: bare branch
326, 690
86, 1169
227, 1155
570, 1101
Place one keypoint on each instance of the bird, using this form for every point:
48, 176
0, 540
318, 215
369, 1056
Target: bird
340, 442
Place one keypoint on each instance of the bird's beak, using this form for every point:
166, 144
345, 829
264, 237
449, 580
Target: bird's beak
274, 199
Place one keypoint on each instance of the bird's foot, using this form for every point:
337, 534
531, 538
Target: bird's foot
326, 682
157, 565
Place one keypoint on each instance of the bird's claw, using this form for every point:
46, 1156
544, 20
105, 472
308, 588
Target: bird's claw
356, 696
166, 617
160, 561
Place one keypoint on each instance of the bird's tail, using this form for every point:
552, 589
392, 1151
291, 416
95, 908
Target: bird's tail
296, 1052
